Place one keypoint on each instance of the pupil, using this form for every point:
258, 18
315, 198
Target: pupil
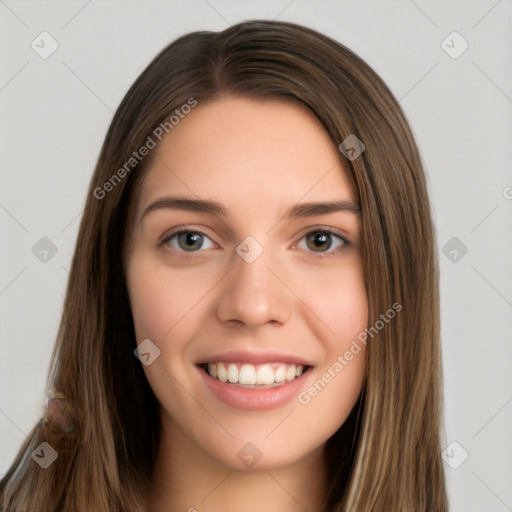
190, 241
320, 240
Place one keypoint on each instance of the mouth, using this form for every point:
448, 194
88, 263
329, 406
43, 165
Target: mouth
254, 376
257, 381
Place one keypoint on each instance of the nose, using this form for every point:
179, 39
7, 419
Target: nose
253, 295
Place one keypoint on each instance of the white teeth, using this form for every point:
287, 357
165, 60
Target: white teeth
249, 375
280, 374
290, 372
265, 374
222, 373
233, 373
212, 370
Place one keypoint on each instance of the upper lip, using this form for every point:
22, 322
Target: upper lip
255, 357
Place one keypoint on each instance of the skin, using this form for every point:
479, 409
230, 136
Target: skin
257, 158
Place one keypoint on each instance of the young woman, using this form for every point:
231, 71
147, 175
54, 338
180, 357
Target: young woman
252, 316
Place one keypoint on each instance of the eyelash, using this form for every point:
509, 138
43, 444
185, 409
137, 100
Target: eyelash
320, 229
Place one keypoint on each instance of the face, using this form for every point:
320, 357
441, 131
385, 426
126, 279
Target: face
244, 273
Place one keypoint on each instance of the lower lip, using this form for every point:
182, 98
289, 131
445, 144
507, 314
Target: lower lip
254, 399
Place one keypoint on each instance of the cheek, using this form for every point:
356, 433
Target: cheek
152, 306
161, 299
338, 304
165, 311
338, 380
346, 309
338, 314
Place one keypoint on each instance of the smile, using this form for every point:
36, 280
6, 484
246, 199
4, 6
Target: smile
254, 375
260, 386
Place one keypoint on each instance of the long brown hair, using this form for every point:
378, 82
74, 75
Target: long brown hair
387, 455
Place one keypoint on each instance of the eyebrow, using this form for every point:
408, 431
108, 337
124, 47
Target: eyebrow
215, 208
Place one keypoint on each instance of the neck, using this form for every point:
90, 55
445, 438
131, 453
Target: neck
187, 479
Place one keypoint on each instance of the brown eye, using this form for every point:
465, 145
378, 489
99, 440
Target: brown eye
319, 241
323, 242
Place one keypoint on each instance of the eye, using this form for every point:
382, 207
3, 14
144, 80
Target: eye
322, 241
188, 241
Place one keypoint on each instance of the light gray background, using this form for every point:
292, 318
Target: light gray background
55, 113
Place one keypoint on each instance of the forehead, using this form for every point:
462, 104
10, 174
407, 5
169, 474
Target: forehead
248, 153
